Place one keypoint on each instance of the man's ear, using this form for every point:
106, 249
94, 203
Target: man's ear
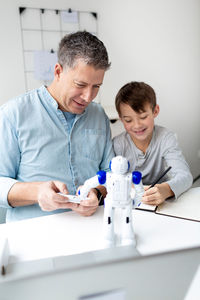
156, 110
58, 70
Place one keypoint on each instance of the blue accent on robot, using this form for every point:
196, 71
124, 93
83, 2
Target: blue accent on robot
136, 177
101, 177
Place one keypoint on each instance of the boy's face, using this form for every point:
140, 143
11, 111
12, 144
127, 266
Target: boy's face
139, 125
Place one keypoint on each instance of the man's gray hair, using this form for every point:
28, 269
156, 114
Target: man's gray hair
82, 45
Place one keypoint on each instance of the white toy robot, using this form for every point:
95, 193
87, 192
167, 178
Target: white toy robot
120, 194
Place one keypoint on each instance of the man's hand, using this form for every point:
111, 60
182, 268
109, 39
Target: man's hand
157, 194
46, 195
87, 207
49, 199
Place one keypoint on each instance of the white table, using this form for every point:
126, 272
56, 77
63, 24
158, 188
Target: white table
68, 233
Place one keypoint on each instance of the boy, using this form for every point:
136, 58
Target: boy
149, 148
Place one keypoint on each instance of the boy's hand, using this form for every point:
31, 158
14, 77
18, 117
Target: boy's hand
157, 194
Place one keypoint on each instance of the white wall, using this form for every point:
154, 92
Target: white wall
155, 41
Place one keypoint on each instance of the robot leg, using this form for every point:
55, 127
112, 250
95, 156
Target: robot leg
108, 226
127, 237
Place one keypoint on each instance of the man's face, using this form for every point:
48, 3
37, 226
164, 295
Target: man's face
77, 86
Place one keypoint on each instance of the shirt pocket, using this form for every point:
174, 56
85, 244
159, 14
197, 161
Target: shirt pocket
94, 140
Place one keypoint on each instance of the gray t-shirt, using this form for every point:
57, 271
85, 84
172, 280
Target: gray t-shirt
163, 151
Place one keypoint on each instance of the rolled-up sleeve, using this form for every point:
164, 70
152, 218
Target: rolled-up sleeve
9, 158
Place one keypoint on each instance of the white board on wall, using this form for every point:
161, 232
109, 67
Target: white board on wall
41, 32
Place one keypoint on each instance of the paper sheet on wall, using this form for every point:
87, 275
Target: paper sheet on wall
44, 62
69, 17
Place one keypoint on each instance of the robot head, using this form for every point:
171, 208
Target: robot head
119, 165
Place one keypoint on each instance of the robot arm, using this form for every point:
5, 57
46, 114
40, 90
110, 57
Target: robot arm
139, 189
132, 193
100, 178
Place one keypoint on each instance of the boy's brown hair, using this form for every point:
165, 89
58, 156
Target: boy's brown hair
136, 95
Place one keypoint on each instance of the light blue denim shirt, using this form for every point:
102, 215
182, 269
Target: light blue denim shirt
37, 146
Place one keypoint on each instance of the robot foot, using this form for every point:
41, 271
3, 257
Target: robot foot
109, 235
127, 235
127, 242
108, 243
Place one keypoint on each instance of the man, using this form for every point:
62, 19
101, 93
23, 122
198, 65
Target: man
53, 138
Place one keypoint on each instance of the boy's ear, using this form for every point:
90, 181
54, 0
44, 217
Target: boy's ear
156, 110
